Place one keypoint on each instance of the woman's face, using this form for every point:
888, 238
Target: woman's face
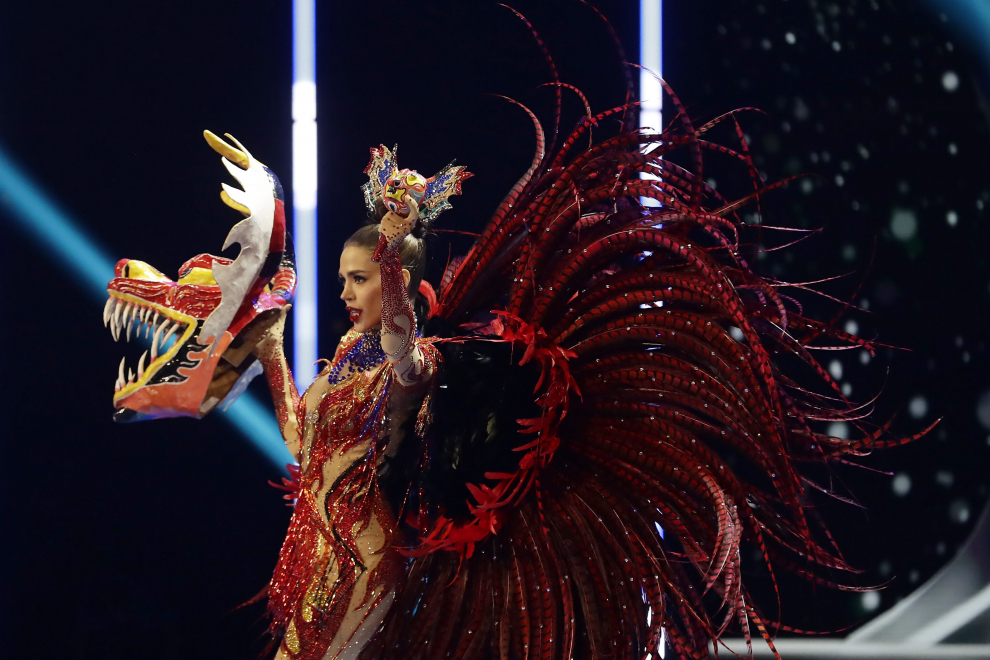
362, 281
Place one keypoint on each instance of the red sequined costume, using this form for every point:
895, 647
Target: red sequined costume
338, 569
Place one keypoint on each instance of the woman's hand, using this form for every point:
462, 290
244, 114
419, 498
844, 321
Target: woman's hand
394, 227
272, 336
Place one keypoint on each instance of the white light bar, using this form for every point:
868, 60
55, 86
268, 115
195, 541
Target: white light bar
305, 338
651, 103
650, 57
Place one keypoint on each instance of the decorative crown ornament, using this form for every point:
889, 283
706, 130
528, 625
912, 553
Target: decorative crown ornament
388, 184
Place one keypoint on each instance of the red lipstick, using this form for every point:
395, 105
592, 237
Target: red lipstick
354, 314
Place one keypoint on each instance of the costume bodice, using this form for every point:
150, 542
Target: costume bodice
341, 418
340, 536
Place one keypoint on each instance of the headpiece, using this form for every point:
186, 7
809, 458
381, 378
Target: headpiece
388, 184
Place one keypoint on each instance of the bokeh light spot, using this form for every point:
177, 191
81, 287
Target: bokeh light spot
901, 484
903, 224
959, 511
839, 430
950, 81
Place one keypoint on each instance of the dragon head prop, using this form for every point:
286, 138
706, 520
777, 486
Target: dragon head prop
203, 325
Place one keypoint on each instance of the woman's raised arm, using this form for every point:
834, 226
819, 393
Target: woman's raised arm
281, 383
398, 320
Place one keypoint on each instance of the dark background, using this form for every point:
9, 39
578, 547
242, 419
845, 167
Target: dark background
138, 541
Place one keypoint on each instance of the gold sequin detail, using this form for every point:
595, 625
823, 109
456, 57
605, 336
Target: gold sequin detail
292, 638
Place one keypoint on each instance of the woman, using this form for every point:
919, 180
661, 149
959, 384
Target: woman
339, 569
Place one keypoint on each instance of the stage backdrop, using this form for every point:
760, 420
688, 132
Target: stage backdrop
140, 541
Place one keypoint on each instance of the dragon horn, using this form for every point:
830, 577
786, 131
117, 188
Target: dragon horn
239, 156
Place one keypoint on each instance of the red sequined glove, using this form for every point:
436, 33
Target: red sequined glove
394, 229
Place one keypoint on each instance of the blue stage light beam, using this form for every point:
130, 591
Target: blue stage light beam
651, 58
49, 226
305, 338
53, 229
970, 19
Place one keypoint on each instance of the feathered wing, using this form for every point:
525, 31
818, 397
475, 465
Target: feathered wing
657, 434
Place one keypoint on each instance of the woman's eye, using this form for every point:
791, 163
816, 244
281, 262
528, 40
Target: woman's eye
359, 279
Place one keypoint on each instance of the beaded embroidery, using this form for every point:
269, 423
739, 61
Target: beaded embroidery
365, 354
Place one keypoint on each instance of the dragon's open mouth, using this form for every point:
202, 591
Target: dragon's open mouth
167, 329
198, 332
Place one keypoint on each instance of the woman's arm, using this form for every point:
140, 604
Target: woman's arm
281, 383
398, 320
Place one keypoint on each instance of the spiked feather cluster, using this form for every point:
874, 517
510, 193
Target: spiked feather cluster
636, 521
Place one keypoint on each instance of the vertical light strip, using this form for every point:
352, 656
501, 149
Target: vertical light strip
650, 57
305, 338
91, 266
651, 98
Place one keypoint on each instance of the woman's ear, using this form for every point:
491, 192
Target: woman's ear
406, 276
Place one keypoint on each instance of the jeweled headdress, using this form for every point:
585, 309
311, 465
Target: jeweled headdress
383, 174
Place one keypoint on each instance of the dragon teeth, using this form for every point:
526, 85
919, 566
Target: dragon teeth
154, 341
170, 333
124, 317
165, 327
108, 310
